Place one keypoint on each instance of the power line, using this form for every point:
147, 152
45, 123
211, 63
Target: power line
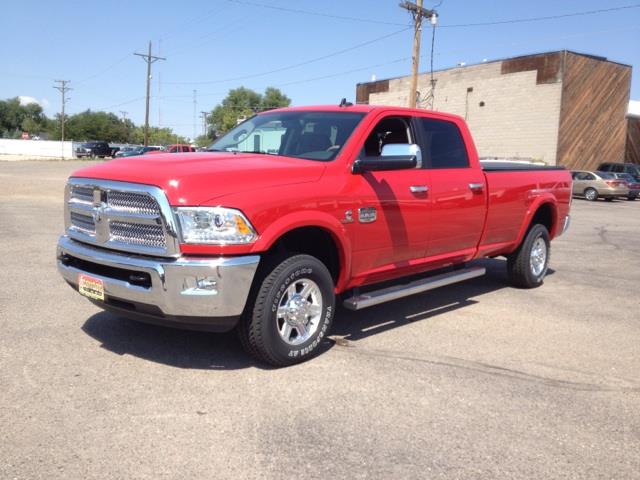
296, 65
317, 14
539, 19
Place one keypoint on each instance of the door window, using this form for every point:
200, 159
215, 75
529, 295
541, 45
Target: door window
388, 130
442, 144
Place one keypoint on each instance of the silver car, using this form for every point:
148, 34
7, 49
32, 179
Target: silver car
593, 185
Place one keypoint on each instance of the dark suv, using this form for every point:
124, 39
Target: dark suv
630, 168
96, 149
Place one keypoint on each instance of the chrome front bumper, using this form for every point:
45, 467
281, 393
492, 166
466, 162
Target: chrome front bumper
197, 289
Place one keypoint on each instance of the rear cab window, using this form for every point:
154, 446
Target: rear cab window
441, 143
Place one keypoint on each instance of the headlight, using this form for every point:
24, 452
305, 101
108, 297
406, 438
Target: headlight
215, 225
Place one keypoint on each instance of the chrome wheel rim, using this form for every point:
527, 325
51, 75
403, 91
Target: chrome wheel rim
538, 259
591, 194
299, 312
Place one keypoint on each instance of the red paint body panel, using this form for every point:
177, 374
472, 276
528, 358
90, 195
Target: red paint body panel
413, 232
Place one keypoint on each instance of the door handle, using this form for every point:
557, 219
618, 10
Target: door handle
476, 187
419, 189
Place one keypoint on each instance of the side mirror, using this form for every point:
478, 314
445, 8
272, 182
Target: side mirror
394, 156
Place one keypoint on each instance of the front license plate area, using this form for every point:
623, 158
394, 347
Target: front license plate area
91, 287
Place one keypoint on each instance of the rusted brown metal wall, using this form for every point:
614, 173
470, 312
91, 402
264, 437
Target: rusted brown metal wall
632, 150
363, 90
593, 127
547, 66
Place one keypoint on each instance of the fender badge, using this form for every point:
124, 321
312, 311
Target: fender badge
367, 215
348, 217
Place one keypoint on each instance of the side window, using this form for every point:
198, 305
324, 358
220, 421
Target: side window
589, 176
618, 168
388, 130
442, 144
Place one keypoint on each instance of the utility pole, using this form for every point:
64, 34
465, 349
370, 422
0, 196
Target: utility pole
195, 107
124, 115
204, 116
149, 59
418, 13
62, 87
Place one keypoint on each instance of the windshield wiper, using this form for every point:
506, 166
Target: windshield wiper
256, 151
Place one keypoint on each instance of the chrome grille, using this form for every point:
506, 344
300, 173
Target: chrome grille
83, 223
132, 203
137, 234
82, 194
122, 216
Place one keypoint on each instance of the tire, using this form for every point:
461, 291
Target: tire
279, 326
528, 265
591, 194
631, 198
608, 199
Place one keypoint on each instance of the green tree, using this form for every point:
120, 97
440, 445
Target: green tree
243, 103
16, 118
157, 136
274, 98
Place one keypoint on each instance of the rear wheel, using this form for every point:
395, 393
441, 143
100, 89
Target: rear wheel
631, 198
608, 199
290, 311
591, 194
528, 265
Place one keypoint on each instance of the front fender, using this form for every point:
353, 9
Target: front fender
310, 218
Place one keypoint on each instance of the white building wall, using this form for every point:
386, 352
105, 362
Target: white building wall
519, 118
18, 149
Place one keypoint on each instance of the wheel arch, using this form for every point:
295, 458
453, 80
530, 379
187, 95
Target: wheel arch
317, 234
544, 212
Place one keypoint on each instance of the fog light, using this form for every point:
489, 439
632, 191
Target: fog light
206, 283
199, 286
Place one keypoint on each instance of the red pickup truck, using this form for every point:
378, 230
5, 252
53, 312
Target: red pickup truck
299, 207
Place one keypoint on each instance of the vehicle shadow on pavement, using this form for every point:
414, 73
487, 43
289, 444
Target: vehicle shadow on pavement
205, 350
169, 346
353, 326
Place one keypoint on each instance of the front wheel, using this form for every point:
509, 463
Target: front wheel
528, 265
290, 311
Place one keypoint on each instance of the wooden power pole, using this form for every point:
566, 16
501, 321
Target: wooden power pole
63, 88
149, 59
418, 13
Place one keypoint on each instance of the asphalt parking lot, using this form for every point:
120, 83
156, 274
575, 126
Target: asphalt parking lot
478, 380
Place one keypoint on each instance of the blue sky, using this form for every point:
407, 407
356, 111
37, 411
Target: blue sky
227, 44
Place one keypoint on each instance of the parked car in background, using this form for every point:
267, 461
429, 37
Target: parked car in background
138, 151
96, 149
632, 183
630, 168
126, 149
177, 148
593, 185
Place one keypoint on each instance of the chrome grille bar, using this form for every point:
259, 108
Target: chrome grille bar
121, 216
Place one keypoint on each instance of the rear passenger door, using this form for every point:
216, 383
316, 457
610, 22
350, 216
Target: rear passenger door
458, 192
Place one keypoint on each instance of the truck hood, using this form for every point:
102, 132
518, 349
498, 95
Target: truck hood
196, 178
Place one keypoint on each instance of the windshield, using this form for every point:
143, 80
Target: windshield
303, 134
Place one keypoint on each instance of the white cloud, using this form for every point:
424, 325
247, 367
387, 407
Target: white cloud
26, 100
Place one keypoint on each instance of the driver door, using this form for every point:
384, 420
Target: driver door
391, 209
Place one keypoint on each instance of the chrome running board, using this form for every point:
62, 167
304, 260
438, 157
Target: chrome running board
369, 299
